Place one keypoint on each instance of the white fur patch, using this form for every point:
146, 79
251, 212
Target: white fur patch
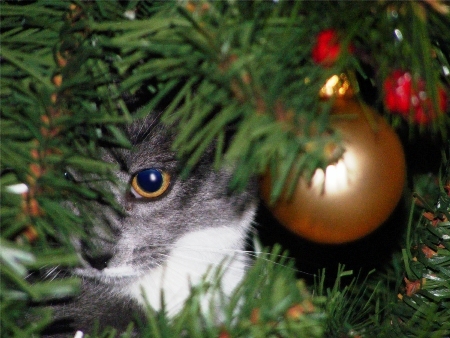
192, 257
119, 271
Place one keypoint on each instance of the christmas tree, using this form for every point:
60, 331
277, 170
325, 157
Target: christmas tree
276, 86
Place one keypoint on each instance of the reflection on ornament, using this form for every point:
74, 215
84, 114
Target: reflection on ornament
337, 177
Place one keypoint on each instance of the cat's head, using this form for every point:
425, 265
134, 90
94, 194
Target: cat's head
159, 208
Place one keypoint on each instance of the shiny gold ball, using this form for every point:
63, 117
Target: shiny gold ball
353, 197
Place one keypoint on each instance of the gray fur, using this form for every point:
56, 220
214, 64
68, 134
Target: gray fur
144, 236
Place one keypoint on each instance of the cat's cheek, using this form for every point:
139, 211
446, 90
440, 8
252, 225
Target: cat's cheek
193, 257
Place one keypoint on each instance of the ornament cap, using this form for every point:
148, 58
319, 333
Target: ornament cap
337, 86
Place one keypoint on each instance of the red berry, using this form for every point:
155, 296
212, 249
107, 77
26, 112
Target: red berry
423, 108
401, 97
327, 48
443, 100
397, 89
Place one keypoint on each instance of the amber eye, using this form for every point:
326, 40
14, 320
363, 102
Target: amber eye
150, 183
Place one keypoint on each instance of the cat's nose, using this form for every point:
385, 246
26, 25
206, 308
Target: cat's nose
97, 252
98, 262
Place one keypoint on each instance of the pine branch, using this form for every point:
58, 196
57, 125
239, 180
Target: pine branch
270, 302
213, 67
423, 305
225, 68
49, 123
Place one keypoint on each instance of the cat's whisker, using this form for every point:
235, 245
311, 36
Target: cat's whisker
226, 262
252, 253
249, 253
52, 273
147, 134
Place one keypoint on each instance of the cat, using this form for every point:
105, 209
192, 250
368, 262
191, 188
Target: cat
171, 233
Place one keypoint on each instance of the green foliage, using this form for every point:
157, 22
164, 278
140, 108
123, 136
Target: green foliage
270, 302
247, 66
47, 127
225, 68
214, 67
424, 307
352, 308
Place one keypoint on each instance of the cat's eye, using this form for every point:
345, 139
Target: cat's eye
68, 176
150, 183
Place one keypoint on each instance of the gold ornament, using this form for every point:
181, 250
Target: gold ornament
354, 196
